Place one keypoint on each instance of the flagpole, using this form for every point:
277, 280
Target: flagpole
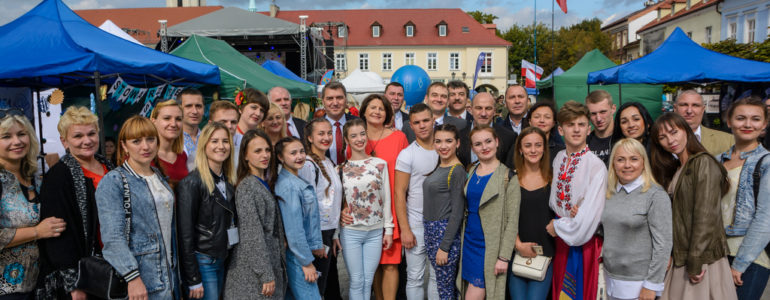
534, 26
553, 35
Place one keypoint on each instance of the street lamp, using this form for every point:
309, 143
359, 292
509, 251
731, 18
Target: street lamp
464, 75
453, 75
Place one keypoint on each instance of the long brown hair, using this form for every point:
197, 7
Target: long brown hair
446, 127
243, 166
664, 165
309, 146
178, 144
545, 161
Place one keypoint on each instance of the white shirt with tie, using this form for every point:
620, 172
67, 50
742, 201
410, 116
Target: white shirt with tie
333, 148
292, 127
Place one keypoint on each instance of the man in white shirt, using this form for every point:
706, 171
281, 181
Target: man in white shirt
192, 113
394, 92
281, 97
458, 100
226, 113
689, 104
333, 96
412, 166
517, 103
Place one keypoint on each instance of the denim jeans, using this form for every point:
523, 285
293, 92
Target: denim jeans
416, 265
754, 281
299, 288
527, 289
362, 251
212, 275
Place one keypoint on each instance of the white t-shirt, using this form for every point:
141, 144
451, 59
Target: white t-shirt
418, 162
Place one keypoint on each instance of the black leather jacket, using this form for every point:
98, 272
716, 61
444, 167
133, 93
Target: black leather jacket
202, 219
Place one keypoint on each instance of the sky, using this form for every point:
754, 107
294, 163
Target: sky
510, 12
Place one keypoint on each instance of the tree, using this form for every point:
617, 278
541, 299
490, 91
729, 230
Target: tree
482, 17
753, 51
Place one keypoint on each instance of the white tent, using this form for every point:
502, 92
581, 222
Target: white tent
360, 84
110, 27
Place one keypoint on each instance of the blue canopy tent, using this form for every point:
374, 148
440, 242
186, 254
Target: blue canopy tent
280, 70
678, 60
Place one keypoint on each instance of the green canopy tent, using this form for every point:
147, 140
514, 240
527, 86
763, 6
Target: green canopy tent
571, 85
236, 70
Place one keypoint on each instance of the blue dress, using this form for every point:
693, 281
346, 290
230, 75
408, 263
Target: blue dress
473, 239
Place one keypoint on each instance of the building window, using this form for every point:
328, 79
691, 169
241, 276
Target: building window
432, 61
409, 58
454, 61
466, 29
341, 31
732, 30
363, 61
708, 35
375, 31
486, 67
339, 62
625, 38
441, 30
387, 61
410, 30
751, 25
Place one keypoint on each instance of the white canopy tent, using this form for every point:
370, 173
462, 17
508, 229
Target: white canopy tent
360, 84
110, 27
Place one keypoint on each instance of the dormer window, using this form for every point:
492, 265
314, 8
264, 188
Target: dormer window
442, 28
341, 31
409, 29
376, 27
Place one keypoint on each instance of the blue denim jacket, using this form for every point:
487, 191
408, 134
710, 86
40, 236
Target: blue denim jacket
145, 254
301, 220
751, 222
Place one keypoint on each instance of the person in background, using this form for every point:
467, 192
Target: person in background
459, 95
274, 124
167, 117
602, 109
444, 209
579, 180
483, 113
543, 116
301, 221
252, 106
367, 196
695, 182
691, 106
257, 265
517, 103
146, 258
281, 97
436, 98
531, 157
319, 171
227, 113
491, 220
109, 149
637, 225
192, 114
394, 93
633, 121
333, 95
68, 193
745, 210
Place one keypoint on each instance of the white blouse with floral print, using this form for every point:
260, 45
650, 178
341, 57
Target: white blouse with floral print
367, 194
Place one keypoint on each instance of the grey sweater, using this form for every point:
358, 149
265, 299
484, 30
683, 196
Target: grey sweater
442, 201
637, 234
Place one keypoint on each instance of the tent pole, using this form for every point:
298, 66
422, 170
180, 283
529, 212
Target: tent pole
100, 114
41, 156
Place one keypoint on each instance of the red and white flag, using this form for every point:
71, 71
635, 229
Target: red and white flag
562, 4
531, 73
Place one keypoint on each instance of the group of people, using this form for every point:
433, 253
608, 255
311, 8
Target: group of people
258, 204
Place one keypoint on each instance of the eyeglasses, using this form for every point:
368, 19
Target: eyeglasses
4, 112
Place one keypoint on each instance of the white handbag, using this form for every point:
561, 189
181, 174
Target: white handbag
531, 268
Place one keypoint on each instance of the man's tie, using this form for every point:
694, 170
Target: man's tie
288, 130
338, 143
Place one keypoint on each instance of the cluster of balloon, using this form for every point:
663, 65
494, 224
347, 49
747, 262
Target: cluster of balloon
415, 81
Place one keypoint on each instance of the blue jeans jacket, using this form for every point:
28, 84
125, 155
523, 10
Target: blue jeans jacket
301, 220
751, 222
145, 254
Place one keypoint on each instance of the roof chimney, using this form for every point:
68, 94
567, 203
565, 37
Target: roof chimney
274, 9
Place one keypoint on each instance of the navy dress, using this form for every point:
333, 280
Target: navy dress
473, 239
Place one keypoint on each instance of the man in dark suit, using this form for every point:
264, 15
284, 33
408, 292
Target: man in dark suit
483, 111
437, 98
281, 97
334, 97
394, 93
517, 103
458, 100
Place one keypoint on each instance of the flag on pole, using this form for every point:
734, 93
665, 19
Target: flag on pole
479, 64
531, 73
562, 4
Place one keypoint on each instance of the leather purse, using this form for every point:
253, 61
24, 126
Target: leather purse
533, 268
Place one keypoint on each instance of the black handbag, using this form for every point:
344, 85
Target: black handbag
95, 274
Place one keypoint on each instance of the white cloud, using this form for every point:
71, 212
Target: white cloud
609, 19
525, 16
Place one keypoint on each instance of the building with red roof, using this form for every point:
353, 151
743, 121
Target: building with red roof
700, 19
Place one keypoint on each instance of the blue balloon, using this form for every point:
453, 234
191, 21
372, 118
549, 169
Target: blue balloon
415, 81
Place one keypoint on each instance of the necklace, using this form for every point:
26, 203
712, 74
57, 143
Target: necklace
374, 144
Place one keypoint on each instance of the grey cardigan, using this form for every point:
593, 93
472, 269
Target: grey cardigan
259, 257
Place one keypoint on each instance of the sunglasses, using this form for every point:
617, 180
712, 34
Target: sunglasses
4, 112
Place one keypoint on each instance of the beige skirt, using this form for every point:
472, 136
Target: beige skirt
717, 283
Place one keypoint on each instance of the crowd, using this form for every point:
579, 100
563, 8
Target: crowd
258, 204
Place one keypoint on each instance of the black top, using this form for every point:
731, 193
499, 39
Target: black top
601, 147
534, 216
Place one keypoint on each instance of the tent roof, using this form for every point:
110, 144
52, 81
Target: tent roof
233, 21
237, 70
679, 59
591, 61
52, 46
281, 70
363, 82
110, 27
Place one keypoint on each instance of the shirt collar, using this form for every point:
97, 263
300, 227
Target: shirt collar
698, 133
342, 120
440, 120
631, 186
217, 178
728, 154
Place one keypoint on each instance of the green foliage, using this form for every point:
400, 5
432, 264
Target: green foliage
753, 51
483, 18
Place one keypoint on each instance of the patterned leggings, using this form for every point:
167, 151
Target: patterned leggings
446, 274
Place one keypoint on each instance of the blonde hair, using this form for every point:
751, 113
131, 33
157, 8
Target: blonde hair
76, 115
133, 128
28, 166
631, 145
274, 108
202, 161
178, 145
